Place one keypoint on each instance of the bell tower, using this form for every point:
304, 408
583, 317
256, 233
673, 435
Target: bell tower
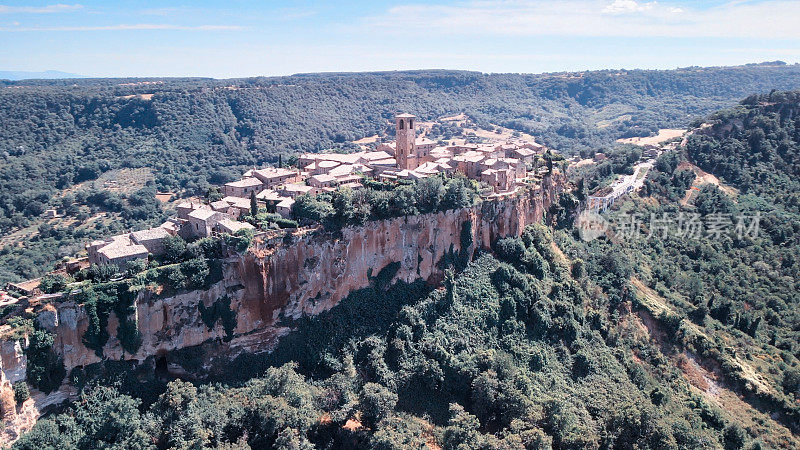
406, 135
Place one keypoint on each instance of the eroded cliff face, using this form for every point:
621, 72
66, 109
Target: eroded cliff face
306, 276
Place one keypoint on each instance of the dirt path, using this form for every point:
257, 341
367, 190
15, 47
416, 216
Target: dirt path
702, 178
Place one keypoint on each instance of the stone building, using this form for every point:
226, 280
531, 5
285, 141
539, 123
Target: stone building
406, 141
243, 188
274, 176
152, 239
201, 222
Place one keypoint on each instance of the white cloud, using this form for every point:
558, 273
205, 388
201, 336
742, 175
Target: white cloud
627, 6
617, 18
128, 27
57, 8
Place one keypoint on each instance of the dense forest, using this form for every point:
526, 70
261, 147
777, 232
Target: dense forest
193, 133
547, 341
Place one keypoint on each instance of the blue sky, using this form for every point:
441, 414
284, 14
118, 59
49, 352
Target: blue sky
248, 38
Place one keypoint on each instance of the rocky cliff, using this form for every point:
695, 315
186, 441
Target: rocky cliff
304, 275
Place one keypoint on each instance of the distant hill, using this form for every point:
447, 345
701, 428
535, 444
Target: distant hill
15, 75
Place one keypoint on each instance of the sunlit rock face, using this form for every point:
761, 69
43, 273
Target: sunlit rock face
306, 276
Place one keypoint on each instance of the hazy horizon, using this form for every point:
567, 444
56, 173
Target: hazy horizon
246, 38
40, 75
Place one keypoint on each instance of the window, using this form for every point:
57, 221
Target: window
410, 123
402, 125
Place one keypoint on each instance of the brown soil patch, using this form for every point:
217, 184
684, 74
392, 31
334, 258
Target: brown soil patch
664, 134
367, 140
139, 96
696, 376
164, 197
702, 177
325, 419
353, 425
457, 118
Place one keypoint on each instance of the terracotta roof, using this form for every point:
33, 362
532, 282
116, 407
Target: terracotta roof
384, 162
286, 203
323, 178
149, 234
238, 202
232, 226
220, 205
273, 172
121, 250
202, 214
245, 182
268, 194
373, 156
293, 187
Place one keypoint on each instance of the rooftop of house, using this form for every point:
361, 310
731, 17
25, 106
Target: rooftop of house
524, 151
374, 156
122, 249
293, 187
384, 162
232, 226
328, 164
470, 156
237, 202
244, 183
285, 203
220, 205
149, 234
273, 172
323, 178
191, 205
406, 116
268, 194
202, 214
441, 151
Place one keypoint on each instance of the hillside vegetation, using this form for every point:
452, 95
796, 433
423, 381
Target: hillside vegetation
727, 305
507, 355
548, 341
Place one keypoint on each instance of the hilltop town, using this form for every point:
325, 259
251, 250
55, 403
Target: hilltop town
498, 163
500, 166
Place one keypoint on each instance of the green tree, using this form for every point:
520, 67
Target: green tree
53, 282
307, 208
253, 205
459, 193
430, 192
195, 271
109, 419
21, 392
376, 402
174, 249
45, 368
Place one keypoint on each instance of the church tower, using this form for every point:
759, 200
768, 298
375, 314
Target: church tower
405, 149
